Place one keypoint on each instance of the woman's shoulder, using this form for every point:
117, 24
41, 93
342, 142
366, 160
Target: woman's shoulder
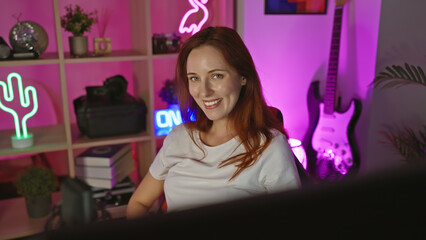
178, 133
278, 136
278, 147
178, 129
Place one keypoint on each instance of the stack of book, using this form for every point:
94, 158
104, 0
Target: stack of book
104, 167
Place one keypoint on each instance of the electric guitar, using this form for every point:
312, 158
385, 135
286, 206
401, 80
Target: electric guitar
329, 142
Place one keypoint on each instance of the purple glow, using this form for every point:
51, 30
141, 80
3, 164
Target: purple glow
196, 7
291, 51
299, 151
330, 139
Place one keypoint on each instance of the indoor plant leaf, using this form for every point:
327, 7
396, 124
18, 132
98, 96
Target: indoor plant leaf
77, 21
397, 76
407, 143
36, 181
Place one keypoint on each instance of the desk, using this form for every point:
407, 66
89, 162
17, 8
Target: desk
15, 223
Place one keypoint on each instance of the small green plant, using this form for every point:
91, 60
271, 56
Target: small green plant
76, 21
36, 181
168, 92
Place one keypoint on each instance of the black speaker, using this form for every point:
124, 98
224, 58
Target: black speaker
78, 205
5, 50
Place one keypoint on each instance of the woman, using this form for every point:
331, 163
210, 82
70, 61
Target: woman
234, 149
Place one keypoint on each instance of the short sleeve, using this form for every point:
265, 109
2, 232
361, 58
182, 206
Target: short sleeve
158, 168
161, 164
279, 172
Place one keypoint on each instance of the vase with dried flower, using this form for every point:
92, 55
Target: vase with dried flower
102, 44
77, 22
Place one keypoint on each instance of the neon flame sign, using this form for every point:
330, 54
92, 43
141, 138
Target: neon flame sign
25, 101
196, 4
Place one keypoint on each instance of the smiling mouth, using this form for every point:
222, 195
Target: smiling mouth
212, 104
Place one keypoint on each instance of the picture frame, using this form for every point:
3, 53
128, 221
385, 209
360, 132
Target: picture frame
274, 7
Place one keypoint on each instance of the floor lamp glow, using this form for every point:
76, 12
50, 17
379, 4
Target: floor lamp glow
22, 138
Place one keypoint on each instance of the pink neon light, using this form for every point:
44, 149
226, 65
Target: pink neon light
196, 4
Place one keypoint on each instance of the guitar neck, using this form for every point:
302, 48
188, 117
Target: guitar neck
333, 64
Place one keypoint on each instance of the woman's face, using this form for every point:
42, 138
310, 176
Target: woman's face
213, 83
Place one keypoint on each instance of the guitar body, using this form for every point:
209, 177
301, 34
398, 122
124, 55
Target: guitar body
330, 143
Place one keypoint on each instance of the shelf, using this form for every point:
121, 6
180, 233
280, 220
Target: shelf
46, 139
14, 220
165, 56
119, 55
44, 59
52, 58
15, 223
82, 141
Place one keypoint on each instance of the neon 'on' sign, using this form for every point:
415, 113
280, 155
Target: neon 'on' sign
166, 120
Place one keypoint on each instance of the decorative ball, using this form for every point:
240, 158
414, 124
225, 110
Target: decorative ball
27, 36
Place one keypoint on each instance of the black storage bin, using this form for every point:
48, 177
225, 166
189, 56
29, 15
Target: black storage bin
105, 118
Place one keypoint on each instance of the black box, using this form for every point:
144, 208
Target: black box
106, 118
78, 205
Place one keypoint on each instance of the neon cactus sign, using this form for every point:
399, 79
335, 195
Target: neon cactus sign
21, 138
196, 4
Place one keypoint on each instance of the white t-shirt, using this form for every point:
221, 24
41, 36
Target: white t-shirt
191, 182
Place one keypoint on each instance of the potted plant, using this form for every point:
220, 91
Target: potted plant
77, 22
409, 143
36, 184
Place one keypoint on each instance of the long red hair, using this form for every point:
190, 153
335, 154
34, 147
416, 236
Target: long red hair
251, 118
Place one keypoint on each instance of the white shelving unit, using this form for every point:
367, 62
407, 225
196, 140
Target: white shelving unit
66, 136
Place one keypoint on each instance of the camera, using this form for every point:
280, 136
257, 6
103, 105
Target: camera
166, 43
114, 89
